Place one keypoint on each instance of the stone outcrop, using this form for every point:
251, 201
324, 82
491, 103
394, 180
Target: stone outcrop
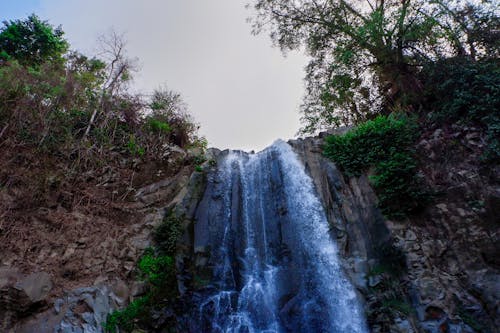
29, 304
452, 281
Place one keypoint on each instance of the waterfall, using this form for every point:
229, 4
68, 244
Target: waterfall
275, 265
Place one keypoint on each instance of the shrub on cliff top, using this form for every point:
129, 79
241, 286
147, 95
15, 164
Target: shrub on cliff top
385, 143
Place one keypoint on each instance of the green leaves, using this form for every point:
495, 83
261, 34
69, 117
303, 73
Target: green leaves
385, 143
461, 90
158, 272
31, 41
379, 45
167, 234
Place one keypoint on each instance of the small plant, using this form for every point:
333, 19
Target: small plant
133, 148
167, 233
159, 274
126, 318
385, 143
158, 126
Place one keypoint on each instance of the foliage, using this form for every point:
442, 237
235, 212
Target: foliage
167, 106
167, 234
159, 273
78, 109
468, 91
384, 143
365, 55
157, 270
398, 188
31, 41
156, 267
126, 318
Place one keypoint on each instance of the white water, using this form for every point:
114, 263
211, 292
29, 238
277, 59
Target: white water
277, 267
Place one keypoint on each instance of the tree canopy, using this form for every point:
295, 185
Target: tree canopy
364, 54
31, 41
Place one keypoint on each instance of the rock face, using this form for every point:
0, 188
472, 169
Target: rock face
19, 295
29, 304
452, 282
434, 273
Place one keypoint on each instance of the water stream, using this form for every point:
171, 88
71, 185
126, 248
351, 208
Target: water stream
275, 265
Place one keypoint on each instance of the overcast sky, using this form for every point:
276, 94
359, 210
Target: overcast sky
243, 92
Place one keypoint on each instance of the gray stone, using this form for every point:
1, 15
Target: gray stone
36, 286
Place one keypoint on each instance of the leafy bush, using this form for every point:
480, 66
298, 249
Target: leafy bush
370, 142
31, 41
126, 318
167, 234
158, 272
158, 126
459, 89
385, 143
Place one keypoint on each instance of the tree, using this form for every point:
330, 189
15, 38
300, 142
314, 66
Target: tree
117, 72
364, 54
168, 107
31, 41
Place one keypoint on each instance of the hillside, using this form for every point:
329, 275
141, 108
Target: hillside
115, 217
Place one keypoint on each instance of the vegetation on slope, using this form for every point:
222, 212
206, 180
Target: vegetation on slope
156, 268
75, 145
77, 112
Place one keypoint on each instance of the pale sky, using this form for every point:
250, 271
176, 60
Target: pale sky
243, 92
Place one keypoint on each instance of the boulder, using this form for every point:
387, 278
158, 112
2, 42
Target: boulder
36, 286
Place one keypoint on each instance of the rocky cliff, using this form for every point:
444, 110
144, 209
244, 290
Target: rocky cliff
451, 280
436, 272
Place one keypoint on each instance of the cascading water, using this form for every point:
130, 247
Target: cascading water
275, 265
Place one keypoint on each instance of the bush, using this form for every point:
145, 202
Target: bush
385, 143
158, 272
167, 233
126, 318
370, 142
31, 41
462, 90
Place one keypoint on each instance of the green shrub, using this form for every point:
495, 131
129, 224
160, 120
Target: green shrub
158, 126
158, 272
462, 90
155, 270
127, 317
133, 148
370, 142
167, 233
385, 143
398, 189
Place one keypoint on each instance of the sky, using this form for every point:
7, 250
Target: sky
243, 92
